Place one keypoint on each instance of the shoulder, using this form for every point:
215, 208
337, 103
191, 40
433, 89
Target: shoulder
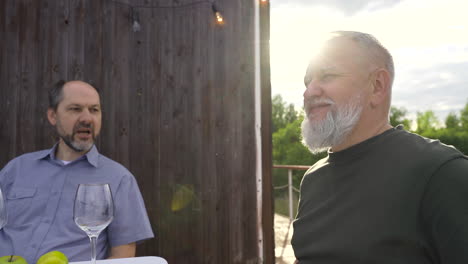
108, 163
113, 167
444, 201
418, 146
26, 157
319, 164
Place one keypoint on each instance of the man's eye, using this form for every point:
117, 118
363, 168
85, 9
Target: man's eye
75, 109
94, 110
327, 77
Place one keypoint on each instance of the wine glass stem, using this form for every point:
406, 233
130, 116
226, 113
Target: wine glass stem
93, 240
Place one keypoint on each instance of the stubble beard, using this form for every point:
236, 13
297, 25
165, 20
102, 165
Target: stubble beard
73, 144
333, 130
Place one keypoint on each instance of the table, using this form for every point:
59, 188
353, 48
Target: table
136, 260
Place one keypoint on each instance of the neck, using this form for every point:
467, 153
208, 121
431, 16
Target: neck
361, 133
64, 152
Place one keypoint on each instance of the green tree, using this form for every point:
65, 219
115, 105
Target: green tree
426, 121
452, 121
454, 133
281, 113
464, 117
398, 116
289, 150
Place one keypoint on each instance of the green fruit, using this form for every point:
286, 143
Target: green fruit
9, 259
53, 257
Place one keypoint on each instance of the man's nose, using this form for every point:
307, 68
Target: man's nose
313, 89
86, 116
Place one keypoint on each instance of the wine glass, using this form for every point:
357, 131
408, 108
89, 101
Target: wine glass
3, 211
93, 211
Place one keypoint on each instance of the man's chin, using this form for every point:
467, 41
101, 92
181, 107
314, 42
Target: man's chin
82, 147
313, 137
316, 119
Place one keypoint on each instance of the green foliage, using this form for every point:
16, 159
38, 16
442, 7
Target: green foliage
398, 117
426, 121
288, 150
454, 133
454, 137
281, 113
464, 117
452, 122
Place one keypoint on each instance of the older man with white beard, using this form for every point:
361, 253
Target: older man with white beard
382, 195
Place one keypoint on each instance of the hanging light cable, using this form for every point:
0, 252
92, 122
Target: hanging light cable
135, 20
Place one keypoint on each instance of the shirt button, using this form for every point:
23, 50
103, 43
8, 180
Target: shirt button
47, 221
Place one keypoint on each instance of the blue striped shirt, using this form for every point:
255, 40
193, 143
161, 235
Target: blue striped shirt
40, 193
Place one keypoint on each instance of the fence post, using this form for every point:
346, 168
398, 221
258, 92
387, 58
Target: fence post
290, 185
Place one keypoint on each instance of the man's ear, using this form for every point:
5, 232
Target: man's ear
380, 87
52, 116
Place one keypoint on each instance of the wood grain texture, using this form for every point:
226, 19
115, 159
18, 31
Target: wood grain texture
178, 110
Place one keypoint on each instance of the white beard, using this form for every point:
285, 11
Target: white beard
334, 128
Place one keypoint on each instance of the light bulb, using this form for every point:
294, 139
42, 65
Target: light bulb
136, 26
219, 18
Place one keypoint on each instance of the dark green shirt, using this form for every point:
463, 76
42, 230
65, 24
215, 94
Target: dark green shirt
395, 198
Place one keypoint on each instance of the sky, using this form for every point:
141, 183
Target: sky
428, 40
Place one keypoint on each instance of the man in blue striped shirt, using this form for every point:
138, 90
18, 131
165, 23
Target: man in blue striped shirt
40, 187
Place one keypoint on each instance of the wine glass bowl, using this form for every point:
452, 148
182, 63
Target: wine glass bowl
93, 211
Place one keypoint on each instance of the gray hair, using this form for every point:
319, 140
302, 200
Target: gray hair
377, 52
55, 93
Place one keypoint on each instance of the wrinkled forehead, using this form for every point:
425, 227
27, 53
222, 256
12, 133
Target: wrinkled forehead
80, 93
339, 53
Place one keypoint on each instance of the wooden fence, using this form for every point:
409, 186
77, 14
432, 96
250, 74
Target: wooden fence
178, 109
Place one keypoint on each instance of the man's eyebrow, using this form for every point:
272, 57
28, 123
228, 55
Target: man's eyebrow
327, 69
319, 70
73, 104
80, 105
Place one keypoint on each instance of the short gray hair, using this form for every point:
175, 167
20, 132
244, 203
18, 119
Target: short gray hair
55, 93
372, 46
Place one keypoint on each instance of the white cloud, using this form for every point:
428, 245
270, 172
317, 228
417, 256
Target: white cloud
347, 7
442, 88
428, 39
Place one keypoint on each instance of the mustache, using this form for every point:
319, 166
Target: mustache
317, 101
82, 125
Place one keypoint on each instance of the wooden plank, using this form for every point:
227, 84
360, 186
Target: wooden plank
114, 138
144, 109
76, 39
178, 110
267, 159
10, 78
51, 61
93, 27
28, 60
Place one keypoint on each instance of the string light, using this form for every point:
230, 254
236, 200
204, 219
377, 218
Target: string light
136, 24
219, 17
135, 19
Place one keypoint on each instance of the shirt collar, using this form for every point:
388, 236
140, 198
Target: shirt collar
92, 156
46, 153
